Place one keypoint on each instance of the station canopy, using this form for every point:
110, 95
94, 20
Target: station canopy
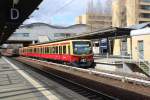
12, 15
109, 32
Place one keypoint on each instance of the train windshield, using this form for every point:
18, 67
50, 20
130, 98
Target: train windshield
82, 47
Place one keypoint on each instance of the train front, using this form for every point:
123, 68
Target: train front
82, 54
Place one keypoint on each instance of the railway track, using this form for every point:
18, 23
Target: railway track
94, 81
80, 89
123, 77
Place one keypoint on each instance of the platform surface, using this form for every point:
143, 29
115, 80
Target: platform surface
17, 84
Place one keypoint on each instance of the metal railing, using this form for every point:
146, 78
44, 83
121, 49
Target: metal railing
142, 60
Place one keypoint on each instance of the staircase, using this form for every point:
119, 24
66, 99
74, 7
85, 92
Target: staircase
143, 64
144, 67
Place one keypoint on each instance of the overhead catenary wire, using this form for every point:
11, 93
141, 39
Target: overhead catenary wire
61, 8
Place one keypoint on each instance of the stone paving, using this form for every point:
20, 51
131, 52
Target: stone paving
13, 86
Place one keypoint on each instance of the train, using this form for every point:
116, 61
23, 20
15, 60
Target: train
78, 53
10, 52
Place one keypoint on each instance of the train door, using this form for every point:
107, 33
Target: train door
123, 47
141, 49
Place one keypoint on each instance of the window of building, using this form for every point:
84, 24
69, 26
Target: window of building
26, 34
146, 0
145, 15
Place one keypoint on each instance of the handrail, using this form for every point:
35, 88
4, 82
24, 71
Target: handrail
142, 60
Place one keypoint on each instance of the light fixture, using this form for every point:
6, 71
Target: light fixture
15, 2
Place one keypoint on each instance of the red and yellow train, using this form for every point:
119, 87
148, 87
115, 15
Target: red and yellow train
75, 52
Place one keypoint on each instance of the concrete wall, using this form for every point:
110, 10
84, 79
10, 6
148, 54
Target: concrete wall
132, 12
116, 49
129, 46
118, 13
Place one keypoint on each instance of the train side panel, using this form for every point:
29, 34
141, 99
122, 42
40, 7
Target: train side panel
60, 51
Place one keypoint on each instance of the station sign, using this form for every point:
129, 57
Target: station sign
14, 14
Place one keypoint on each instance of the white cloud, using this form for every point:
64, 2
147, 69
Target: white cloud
65, 16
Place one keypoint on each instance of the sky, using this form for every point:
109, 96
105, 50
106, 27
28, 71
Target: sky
54, 12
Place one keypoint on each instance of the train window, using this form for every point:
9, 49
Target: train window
60, 49
68, 49
56, 50
43, 50
64, 49
49, 50
53, 50
37, 50
34, 50
46, 50
40, 50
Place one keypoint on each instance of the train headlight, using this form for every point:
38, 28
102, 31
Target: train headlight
83, 60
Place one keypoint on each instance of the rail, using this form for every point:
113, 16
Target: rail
103, 74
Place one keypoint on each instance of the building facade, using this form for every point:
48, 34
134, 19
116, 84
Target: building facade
32, 32
130, 12
97, 21
140, 44
119, 13
138, 41
138, 11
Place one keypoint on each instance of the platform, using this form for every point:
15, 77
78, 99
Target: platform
17, 84
115, 65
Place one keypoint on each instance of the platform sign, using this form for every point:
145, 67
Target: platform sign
14, 14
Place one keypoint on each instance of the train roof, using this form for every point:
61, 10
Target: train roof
46, 43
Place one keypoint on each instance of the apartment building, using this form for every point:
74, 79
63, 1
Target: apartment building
138, 11
97, 21
130, 12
